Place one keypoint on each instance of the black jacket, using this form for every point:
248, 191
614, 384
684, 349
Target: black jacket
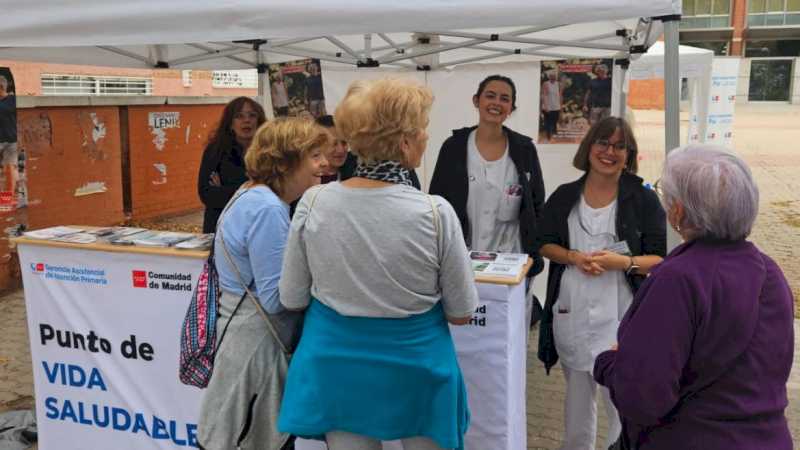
230, 167
640, 221
451, 181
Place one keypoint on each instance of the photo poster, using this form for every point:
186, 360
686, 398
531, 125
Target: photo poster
296, 89
12, 157
575, 94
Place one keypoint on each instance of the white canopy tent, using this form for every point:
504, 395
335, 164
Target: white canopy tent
695, 65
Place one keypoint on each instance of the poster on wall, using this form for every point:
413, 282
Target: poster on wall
574, 95
296, 89
13, 192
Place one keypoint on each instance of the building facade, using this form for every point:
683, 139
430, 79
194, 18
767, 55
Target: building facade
764, 33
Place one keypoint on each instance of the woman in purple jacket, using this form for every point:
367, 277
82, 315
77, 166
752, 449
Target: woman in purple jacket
706, 348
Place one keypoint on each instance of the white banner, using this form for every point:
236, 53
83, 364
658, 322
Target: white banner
104, 332
720, 100
724, 77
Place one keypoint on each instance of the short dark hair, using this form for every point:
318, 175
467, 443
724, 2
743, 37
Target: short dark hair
603, 130
503, 79
325, 121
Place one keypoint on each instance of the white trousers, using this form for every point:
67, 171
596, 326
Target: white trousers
580, 418
340, 440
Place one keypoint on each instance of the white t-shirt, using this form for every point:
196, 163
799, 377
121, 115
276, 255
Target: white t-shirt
589, 308
280, 98
493, 201
551, 96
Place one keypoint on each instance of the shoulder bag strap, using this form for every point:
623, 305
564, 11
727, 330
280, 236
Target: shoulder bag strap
250, 294
436, 224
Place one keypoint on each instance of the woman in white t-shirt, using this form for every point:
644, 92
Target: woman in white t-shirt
602, 234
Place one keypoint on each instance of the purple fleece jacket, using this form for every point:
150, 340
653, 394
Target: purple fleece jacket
705, 352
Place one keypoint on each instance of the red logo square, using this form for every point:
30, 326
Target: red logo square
139, 279
40, 267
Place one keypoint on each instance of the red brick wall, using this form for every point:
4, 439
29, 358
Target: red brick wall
81, 147
66, 149
646, 94
178, 150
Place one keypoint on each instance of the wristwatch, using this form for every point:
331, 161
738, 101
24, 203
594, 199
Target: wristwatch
632, 267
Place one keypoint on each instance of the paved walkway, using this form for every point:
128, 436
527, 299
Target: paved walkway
545, 393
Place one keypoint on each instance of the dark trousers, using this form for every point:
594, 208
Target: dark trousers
551, 123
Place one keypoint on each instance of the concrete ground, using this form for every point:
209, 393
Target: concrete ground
766, 136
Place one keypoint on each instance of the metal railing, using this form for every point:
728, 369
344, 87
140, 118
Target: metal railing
95, 85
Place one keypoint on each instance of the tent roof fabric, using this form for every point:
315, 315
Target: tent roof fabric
66, 23
693, 62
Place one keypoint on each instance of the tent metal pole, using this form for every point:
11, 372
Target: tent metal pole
433, 51
672, 86
283, 42
222, 53
672, 98
263, 82
368, 46
523, 40
233, 58
623, 95
475, 59
337, 42
301, 53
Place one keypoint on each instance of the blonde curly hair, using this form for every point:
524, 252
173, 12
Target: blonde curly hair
376, 115
278, 148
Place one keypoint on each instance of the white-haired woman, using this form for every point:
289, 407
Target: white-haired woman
706, 348
381, 268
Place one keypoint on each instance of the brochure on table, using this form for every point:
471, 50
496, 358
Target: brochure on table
123, 236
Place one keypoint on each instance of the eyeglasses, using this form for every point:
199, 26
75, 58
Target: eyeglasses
618, 147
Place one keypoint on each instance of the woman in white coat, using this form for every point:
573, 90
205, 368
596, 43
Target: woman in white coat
602, 234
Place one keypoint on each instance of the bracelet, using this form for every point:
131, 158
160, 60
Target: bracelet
569, 262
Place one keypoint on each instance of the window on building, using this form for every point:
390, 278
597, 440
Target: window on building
772, 48
239, 79
770, 80
720, 48
63, 84
706, 14
767, 13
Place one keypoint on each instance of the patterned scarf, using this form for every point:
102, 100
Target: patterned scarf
390, 171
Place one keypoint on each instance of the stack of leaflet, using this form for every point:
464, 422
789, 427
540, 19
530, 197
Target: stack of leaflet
201, 242
62, 234
498, 264
121, 235
52, 233
160, 238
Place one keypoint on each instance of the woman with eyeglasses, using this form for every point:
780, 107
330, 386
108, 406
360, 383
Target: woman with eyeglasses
602, 234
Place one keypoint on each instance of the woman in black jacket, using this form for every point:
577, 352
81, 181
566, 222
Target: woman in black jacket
492, 176
602, 234
222, 168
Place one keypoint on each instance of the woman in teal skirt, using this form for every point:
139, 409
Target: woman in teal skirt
381, 269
